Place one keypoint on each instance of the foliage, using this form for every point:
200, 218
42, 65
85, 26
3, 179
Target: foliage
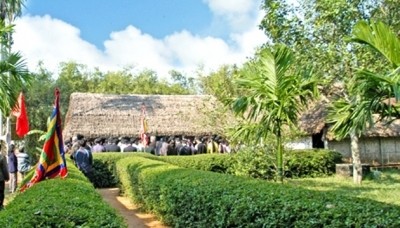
220, 84
14, 77
259, 162
70, 202
219, 163
274, 97
352, 114
317, 31
39, 103
311, 163
186, 197
255, 162
104, 170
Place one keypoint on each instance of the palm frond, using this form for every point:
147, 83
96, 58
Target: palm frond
379, 37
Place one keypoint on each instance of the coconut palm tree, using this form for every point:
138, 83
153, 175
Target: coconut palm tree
9, 11
368, 93
13, 73
273, 96
14, 77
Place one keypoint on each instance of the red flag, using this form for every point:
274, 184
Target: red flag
19, 111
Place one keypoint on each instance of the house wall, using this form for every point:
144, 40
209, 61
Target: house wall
373, 150
300, 143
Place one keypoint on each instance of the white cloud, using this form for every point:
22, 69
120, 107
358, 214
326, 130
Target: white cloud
52, 41
43, 38
236, 14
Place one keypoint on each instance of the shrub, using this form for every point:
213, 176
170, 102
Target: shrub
255, 163
69, 202
260, 163
190, 198
104, 172
311, 163
219, 163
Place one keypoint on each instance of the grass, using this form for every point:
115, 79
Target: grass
380, 186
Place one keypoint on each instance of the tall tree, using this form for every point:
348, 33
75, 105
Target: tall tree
316, 31
273, 96
13, 70
9, 11
220, 84
368, 92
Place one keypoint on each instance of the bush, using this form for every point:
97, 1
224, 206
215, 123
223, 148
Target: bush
259, 163
311, 163
219, 163
190, 198
254, 163
69, 202
104, 172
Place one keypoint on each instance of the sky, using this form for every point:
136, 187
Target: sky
159, 35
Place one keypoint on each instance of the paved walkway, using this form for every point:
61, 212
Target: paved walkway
133, 217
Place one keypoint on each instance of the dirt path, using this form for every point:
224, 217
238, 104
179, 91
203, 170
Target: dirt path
133, 217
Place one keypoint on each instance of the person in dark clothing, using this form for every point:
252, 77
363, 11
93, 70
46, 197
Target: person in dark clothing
12, 168
171, 147
201, 147
112, 146
178, 146
4, 176
130, 148
84, 159
184, 148
159, 145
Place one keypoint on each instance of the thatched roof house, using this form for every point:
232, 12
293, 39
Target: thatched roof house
103, 115
313, 121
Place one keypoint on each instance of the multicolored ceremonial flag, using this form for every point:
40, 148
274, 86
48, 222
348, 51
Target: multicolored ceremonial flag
19, 111
52, 161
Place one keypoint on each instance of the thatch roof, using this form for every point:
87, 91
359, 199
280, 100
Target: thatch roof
314, 120
384, 129
101, 115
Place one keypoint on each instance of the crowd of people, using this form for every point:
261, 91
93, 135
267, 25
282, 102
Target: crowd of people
16, 162
80, 149
161, 146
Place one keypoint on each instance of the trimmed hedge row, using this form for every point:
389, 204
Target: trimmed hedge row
297, 163
311, 162
104, 172
219, 163
256, 164
70, 202
184, 197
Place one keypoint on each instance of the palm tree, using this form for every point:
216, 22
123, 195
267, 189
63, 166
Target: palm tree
9, 11
14, 76
368, 93
273, 97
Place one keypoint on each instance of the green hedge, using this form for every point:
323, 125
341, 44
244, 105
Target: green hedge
104, 173
219, 163
69, 202
258, 164
311, 163
184, 197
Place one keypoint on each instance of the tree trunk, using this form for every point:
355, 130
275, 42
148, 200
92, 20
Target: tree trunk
355, 153
279, 156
